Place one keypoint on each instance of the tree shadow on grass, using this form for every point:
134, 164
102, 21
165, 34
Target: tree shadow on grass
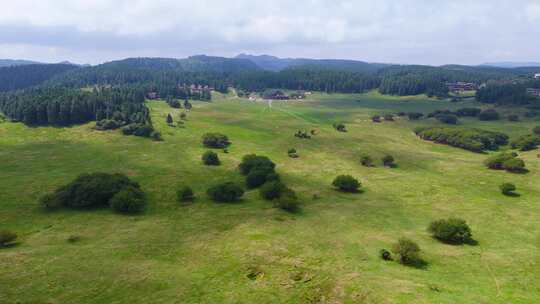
512, 194
417, 263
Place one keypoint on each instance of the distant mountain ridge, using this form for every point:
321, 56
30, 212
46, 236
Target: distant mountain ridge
511, 64
16, 62
276, 64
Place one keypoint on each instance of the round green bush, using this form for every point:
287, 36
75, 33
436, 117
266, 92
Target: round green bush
287, 201
346, 183
272, 190
507, 188
185, 194
215, 140
388, 161
7, 238
385, 255
210, 158
226, 192
367, 161
407, 250
252, 161
129, 200
257, 177
452, 230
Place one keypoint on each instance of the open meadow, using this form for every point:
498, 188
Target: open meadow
250, 252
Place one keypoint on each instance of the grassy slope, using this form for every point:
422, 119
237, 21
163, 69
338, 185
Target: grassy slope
201, 253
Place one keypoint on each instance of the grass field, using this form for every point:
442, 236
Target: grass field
328, 253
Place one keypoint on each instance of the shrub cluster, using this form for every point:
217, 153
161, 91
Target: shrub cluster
303, 134
215, 140
185, 194
526, 142
407, 250
98, 190
447, 118
470, 139
489, 114
506, 161
108, 124
340, 127
376, 118
452, 230
292, 153
346, 183
388, 161
226, 192
257, 169
468, 112
142, 130
210, 158
367, 161
282, 196
414, 115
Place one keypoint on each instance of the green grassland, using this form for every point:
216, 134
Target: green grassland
328, 253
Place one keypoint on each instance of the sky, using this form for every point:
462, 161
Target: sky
392, 31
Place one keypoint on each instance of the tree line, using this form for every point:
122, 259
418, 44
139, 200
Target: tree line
64, 106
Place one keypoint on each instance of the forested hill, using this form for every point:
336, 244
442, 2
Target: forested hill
15, 62
275, 64
23, 76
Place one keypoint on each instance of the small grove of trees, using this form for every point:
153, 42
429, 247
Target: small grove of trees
210, 158
452, 230
283, 197
215, 140
506, 161
7, 238
526, 142
142, 130
258, 170
98, 190
367, 161
475, 140
346, 183
227, 192
508, 189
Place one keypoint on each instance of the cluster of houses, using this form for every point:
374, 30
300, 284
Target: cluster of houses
192, 89
280, 95
461, 86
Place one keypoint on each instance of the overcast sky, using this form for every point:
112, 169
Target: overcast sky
397, 31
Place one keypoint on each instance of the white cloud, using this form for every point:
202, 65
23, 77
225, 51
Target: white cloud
435, 31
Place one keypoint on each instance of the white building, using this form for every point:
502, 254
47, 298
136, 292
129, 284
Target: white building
537, 76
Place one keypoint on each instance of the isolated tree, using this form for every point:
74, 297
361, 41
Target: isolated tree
452, 230
388, 161
346, 183
169, 119
210, 158
185, 194
407, 250
507, 188
226, 192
